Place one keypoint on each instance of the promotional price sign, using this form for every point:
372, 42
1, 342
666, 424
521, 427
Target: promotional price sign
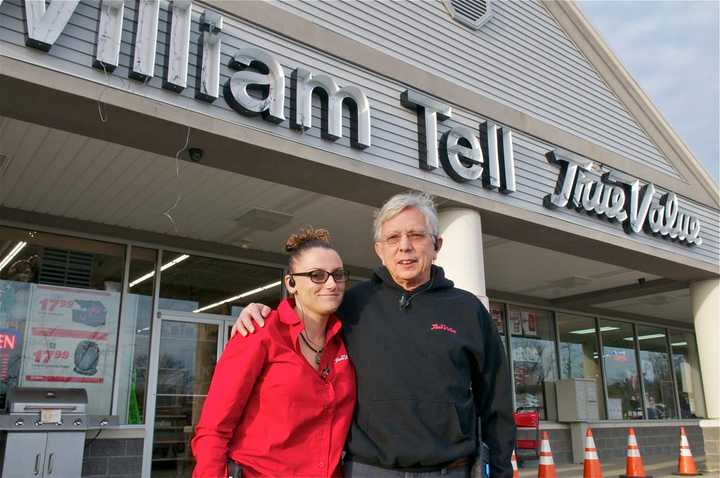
70, 340
529, 324
495, 313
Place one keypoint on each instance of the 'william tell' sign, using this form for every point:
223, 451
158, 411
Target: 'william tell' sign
257, 86
629, 203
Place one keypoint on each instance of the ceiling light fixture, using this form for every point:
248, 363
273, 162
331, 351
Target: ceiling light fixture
678, 344
645, 337
167, 266
14, 252
592, 331
236, 297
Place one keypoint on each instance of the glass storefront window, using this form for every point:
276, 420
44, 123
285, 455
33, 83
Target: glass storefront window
60, 304
579, 358
533, 355
619, 359
205, 285
687, 374
656, 373
497, 314
134, 343
187, 357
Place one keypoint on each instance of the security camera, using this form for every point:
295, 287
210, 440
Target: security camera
195, 154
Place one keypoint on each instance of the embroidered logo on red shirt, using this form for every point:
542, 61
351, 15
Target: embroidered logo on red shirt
444, 328
341, 358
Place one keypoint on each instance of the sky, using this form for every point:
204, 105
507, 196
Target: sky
672, 49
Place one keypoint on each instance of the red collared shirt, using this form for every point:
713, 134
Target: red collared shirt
270, 411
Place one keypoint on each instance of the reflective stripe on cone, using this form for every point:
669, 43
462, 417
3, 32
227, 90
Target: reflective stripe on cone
546, 466
686, 464
591, 465
634, 465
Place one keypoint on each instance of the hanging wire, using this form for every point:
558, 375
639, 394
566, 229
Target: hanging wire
177, 155
100, 104
125, 85
168, 212
101, 110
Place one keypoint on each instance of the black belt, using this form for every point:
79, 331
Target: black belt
459, 463
464, 462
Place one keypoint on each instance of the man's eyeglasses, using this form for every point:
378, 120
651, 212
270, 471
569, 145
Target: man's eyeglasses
320, 276
415, 237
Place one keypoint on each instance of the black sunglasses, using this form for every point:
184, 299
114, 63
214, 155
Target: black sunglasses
320, 276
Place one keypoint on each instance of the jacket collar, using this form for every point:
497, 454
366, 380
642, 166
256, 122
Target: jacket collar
437, 280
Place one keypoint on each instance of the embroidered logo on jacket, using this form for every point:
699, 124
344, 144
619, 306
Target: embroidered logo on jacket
341, 358
444, 328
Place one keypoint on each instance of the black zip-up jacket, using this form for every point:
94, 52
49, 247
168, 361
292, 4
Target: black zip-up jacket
429, 362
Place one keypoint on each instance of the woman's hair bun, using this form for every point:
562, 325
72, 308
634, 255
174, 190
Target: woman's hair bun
307, 237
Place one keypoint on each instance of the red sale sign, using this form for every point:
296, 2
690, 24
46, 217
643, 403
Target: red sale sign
70, 340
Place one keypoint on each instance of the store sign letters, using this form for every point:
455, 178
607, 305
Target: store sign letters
460, 151
628, 202
257, 86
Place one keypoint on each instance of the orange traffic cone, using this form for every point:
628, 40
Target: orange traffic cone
546, 466
634, 467
686, 464
591, 466
513, 460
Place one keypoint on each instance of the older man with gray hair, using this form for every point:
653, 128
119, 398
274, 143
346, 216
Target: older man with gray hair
429, 362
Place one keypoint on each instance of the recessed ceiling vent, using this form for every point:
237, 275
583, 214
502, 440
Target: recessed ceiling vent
259, 219
573, 282
472, 13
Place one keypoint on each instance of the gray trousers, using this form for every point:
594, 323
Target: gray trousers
354, 469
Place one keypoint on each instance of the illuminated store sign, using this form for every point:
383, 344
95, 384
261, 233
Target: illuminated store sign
628, 202
8, 339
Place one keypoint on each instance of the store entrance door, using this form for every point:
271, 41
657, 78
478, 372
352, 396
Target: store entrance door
189, 347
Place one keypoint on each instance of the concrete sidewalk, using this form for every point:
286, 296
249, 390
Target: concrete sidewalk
662, 467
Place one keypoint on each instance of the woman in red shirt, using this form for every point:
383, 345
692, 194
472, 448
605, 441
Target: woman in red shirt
281, 401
